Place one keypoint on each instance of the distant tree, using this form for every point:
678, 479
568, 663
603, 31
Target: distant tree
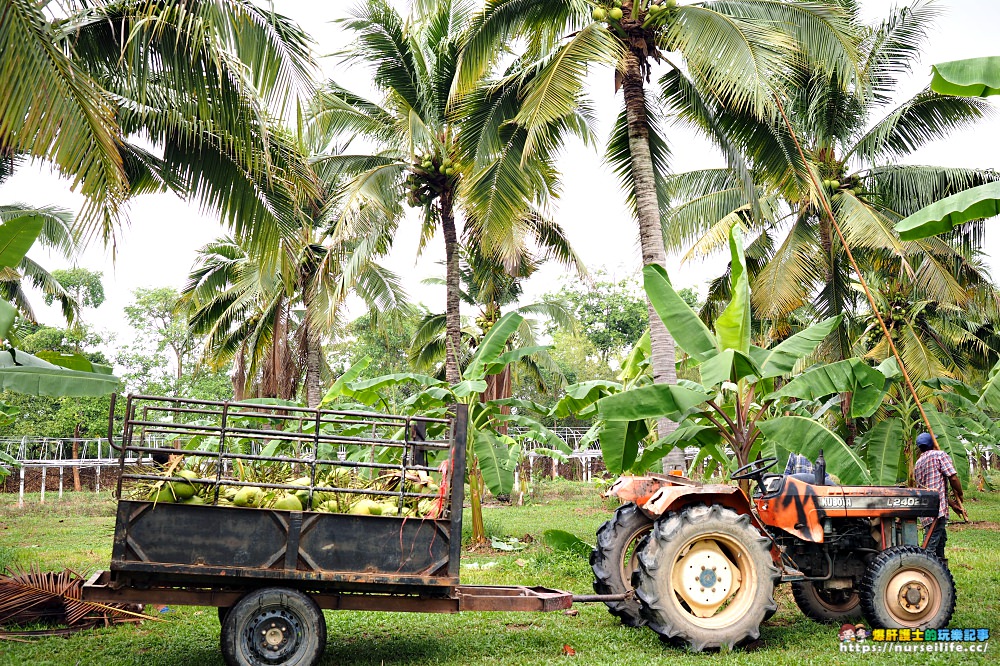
155, 317
83, 285
611, 314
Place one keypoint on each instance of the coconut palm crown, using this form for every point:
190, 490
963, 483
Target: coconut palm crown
450, 152
740, 50
855, 143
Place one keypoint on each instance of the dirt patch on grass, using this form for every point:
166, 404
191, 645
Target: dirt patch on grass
974, 525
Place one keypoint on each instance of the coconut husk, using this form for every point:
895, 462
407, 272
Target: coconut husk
55, 598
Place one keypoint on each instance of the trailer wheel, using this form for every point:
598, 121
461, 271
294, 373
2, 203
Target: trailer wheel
824, 605
274, 626
706, 578
906, 587
616, 557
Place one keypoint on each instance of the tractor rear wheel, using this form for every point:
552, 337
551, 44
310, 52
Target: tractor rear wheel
615, 558
823, 605
706, 578
906, 587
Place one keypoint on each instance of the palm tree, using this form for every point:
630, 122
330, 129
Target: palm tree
82, 81
271, 318
491, 288
449, 155
735, 49
796, 261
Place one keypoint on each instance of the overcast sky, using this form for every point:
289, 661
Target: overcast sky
158, 245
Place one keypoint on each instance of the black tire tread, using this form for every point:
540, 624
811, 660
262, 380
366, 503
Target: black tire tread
697, 638
885, 559
808, 601
613, 537
310, 612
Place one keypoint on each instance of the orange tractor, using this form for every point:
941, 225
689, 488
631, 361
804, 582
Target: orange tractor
698, 563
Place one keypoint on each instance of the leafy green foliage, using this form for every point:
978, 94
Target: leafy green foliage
612, 315
735, 405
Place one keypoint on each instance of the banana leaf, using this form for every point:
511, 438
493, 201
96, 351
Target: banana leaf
492, 345
369, 391
73, 362
733, 326
700, 435
973, 77
807, 437
8, 313
340, 386
687, 329
497, 461
866, 384
23, 373
620, 444
729, 365
17, 235
975, 203
883, 447
580, 399
650, 402
781, 359
989, 399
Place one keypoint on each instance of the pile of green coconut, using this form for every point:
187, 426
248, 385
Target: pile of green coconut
421, 495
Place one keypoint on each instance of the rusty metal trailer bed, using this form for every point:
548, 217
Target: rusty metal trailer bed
269, 571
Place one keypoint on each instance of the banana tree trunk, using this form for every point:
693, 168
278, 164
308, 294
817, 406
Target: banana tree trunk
453, 318
650, 233
476, 486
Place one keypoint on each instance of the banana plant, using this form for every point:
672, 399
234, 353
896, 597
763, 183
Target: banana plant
51, 374
492, 455
740, 409
974, 77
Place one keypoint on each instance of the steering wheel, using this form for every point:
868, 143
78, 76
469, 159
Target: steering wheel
754, 470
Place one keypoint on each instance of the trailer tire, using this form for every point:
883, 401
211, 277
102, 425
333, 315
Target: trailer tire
274, 626
906, 587
706, 578
826, 605
616, 557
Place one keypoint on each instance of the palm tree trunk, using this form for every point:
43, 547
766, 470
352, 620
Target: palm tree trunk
650, 233
453, 317
314, 389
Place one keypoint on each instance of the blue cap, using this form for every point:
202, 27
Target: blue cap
925, 441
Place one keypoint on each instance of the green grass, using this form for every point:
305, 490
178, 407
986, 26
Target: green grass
76, 533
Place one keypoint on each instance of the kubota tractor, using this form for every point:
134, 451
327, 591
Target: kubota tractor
703, 559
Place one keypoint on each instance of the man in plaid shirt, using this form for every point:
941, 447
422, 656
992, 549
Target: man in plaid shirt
933, 468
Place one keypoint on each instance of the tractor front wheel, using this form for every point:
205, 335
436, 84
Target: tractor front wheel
706, 578
826, 605
906, 587
616, 557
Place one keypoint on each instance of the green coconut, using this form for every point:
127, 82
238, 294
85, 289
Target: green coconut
288, 503
599, 14
248, 496
163, 495
615, 14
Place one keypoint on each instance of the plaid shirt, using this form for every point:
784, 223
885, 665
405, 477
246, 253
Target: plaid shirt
932, 471
798, 464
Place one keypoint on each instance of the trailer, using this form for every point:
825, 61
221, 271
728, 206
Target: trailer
270, 571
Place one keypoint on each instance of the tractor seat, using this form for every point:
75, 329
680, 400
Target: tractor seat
810, 478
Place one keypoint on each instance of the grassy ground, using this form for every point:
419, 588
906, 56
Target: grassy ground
76, 533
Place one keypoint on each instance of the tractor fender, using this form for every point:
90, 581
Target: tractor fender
673, 498
656, 495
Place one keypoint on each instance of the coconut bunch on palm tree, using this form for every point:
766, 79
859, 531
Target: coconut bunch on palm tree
855, 144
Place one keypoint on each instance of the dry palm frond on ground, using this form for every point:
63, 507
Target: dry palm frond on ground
54, 598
